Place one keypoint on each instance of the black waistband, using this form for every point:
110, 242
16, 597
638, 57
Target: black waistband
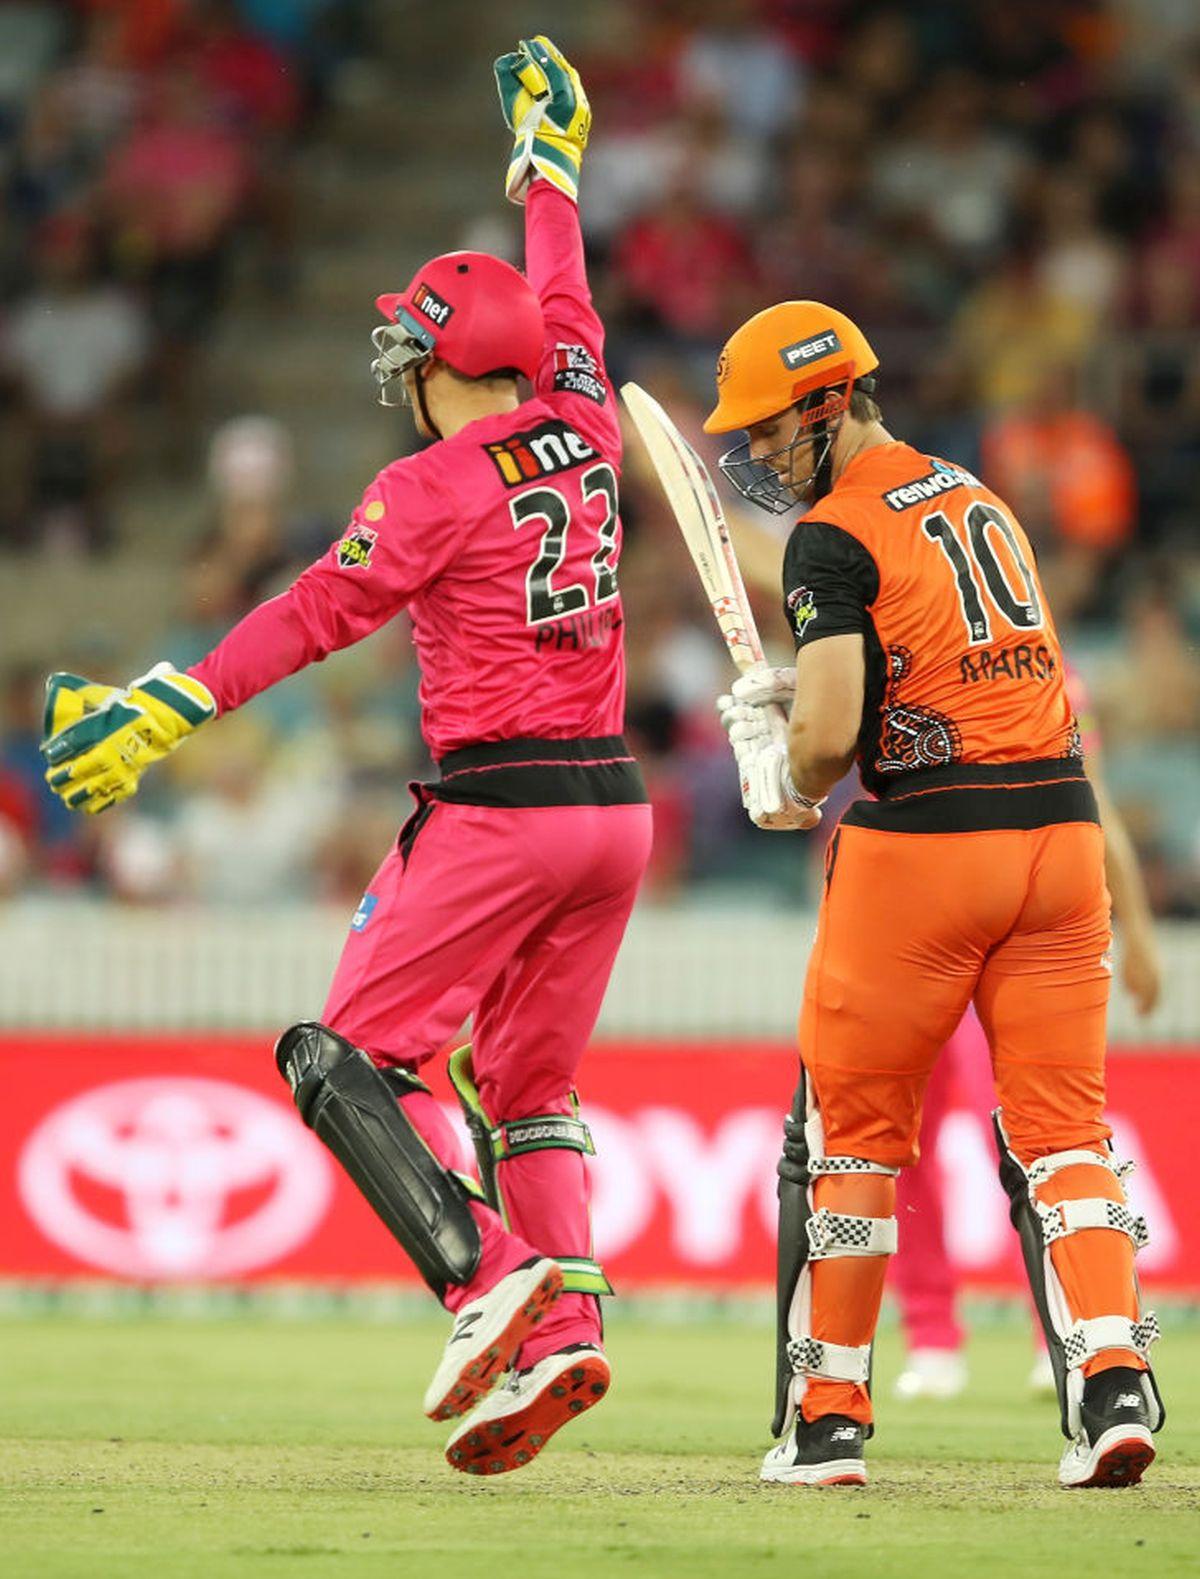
596, 771
975, 797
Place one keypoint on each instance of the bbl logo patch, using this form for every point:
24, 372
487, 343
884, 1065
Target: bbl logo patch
802, 608
354, 550
576, 372
362, 915
538, 452
802, 351
431, 304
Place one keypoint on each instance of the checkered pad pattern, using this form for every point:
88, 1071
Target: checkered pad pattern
1070, 1217
834, 1361
1109, 1332
839, 1233
1046, 1167
820, 1165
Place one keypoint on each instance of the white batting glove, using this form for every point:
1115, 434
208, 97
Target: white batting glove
762, 685
758, 735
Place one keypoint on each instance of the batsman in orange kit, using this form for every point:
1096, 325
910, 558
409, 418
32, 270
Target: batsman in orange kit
926, 651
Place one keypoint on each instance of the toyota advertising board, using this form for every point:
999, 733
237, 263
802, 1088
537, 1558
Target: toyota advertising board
176, 1159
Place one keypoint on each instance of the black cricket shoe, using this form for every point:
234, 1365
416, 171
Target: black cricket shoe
827, 1451
1113, 1447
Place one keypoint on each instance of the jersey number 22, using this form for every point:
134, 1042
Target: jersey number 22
545, 601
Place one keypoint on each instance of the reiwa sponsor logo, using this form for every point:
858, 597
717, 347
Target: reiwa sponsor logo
932, 486
173, 1178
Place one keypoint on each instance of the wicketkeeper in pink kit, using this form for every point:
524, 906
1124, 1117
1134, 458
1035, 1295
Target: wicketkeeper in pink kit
508, 891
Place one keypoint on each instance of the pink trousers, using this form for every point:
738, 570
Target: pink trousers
922, 1277
515, 916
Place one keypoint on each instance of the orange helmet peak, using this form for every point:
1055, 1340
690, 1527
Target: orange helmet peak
781, 354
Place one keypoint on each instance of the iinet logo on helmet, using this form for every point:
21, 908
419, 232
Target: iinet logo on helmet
801, 351
431, 304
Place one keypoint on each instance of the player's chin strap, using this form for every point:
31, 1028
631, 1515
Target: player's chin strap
808, 1234
1072, 1343
495, 1143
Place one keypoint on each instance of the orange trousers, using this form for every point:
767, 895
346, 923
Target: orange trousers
913, 927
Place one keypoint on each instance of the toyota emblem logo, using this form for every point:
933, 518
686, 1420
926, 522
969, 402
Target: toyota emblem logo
174, 1178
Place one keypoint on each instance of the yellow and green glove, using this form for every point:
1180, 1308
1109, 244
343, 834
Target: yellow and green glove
100, 739
544, 104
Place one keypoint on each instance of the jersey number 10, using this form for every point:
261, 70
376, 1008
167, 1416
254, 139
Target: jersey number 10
980, 520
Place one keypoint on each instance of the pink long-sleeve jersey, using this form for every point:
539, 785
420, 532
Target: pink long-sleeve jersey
502, 542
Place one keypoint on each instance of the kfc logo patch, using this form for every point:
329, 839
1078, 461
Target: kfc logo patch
432, 306
355, 549
577, 372
802, 351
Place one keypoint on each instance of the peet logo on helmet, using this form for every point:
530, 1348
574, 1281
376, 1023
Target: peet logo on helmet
802, 351
538, 452
431, 304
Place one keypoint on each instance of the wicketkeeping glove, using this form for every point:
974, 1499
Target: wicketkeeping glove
544, 104
758, 735
100, 739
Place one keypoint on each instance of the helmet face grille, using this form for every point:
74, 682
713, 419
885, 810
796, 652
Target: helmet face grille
404, 345
770, 480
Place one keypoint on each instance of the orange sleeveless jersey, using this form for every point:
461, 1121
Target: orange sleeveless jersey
963, 661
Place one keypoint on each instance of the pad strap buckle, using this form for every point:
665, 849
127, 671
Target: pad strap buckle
1070, 1217
1046, 1167
836, 1362
582, 1275
820, 1165
541, 1132
1109, 1332
841, 1234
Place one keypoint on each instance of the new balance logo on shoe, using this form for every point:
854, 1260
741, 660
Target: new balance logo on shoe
464, 1325
1127, 1401
844, 1433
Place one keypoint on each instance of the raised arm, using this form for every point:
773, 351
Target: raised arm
545, 105
100, 739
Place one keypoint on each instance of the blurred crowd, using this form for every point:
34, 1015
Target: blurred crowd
1005, 193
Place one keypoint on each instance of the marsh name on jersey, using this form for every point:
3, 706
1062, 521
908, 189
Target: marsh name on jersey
1019, 662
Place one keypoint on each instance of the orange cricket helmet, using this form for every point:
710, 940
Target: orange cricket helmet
799, 356
780, 355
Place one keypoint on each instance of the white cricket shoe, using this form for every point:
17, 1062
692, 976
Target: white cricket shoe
513, 1424
1113, 1447
487, 1334
932, 1373
827, 1451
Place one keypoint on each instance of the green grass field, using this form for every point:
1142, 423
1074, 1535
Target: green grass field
172, 1448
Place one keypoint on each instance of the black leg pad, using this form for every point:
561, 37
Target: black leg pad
792, 1248
1033, 1252
353, 1108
